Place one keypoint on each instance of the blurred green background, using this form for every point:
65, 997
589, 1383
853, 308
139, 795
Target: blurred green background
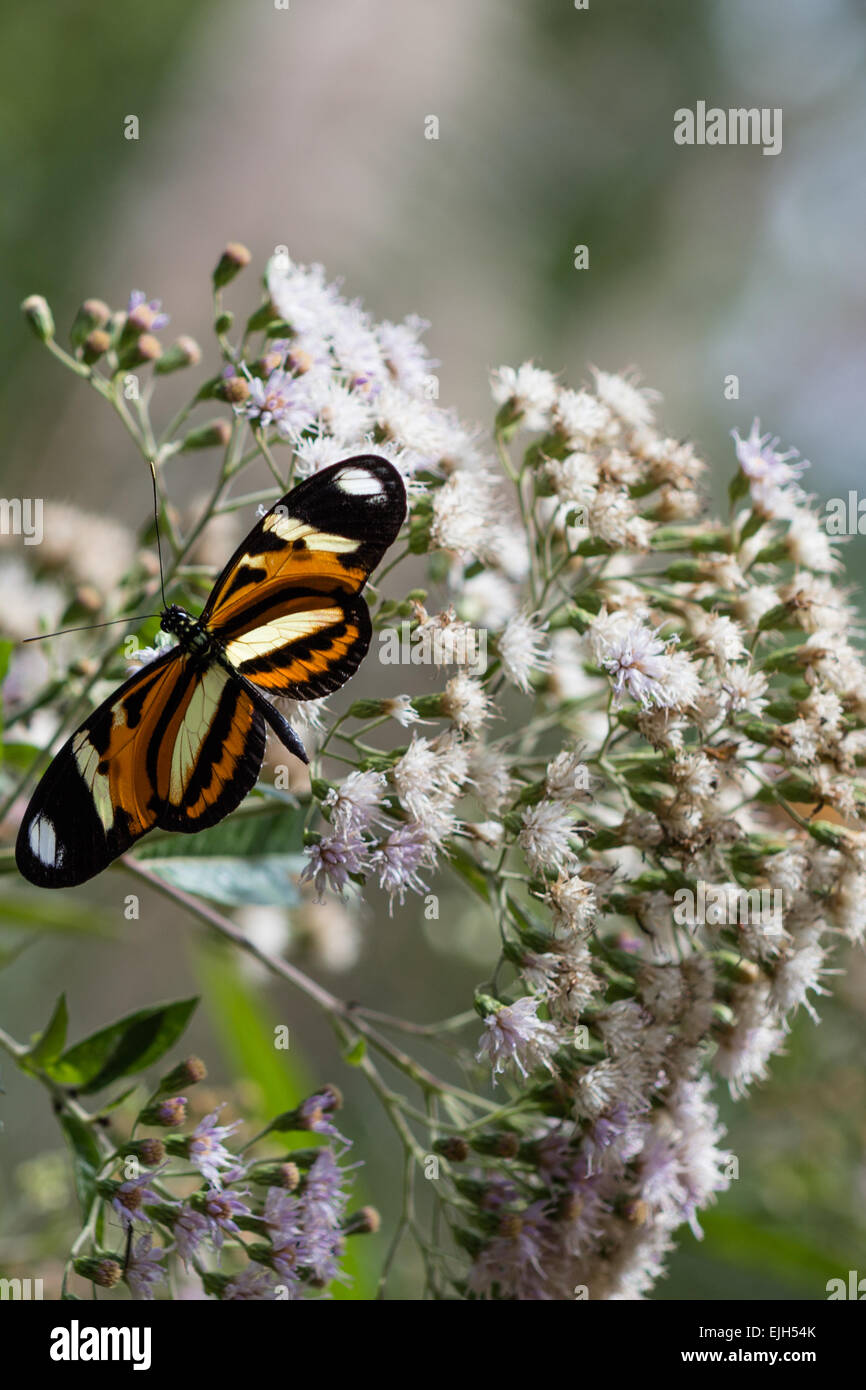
306, 127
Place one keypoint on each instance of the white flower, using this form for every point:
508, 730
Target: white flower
582, 419
335, 858
400, 708
405, 357
718, 635
466, 703
398, 859
634, 656
490, 777
515, 1034
530, 390
545, 837
573, 903
744, 690
747, 1046
808, 544
462, 508
567, 777
356, 803
633, 404
329, 932
521, 648
574, 478
799, 972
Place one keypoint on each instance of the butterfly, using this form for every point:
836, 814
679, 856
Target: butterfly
180, 744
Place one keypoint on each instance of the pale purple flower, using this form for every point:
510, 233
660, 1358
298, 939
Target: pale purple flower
283, 400
189, 1230
253, 1283
335, 858
206, 1149
514, 1033
306, 1230
143, 1271
128, 1201
315, 1110
220, 1209
324, 1206
137, 298
512, 1266
398, 859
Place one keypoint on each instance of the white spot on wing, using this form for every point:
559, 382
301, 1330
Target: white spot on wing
359, 483
43, 841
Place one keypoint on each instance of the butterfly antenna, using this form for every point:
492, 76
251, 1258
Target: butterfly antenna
156, 524
88, 627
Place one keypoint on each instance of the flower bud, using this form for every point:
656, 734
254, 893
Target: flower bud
187, 1073
234, 389
286, 1175
93, 313
95, 345
216, 434
501, 1144
35, 309
167, 1113
454, 1148
362, 1223
139, 353
99, 1269
233, 259
149, 1152
184, 353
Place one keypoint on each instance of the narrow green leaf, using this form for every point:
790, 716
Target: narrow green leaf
356, 1054
86, 1158
52, 1041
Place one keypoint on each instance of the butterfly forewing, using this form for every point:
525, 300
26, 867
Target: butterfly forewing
287, 605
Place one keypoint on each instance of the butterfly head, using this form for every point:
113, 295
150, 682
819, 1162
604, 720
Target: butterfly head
176, 620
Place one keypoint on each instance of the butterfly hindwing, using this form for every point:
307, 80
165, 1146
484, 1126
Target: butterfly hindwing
176, 746
287, 606
216, 753
97, 796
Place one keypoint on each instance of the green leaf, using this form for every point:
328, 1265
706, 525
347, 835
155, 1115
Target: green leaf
263, 830
124, 1048
20, 756
86, 1158
235, 882
356, 1054
51, 1043
467, 868
250, 858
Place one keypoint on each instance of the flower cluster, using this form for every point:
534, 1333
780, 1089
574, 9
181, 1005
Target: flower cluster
267, 1228
652, 788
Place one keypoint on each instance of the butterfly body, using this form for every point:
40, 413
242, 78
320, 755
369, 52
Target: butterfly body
182, 741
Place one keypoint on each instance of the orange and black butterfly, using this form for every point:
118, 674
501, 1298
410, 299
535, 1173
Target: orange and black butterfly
180, 744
